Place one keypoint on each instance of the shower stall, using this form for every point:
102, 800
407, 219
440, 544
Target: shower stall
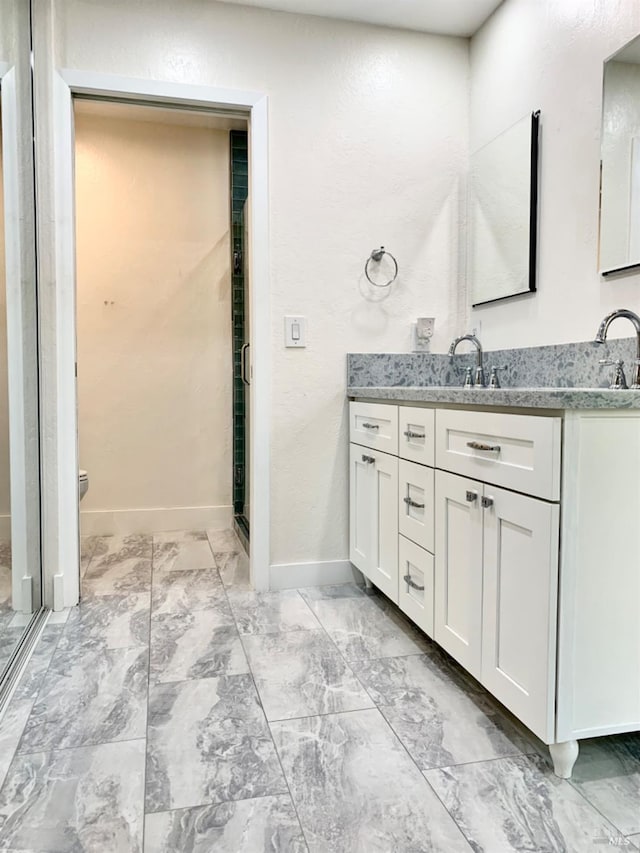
241, 320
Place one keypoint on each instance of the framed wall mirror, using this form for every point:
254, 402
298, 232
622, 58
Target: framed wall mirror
20, 564
620, 162
503, 214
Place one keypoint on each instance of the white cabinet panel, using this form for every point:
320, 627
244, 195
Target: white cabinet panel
458, 569
520, 452
361, 515
416, 439
374, 425
384, 569
415, 582
415, 513
374, 517
520, 605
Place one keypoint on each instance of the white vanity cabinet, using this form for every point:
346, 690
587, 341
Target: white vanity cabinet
510, 536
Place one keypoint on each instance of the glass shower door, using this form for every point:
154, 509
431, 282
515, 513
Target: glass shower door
241, 333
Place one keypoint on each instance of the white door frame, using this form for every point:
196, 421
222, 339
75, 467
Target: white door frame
66, 84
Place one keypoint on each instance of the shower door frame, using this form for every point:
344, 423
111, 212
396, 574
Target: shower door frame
63, 459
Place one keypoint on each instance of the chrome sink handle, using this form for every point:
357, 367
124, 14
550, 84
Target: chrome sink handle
494, 379
619, 380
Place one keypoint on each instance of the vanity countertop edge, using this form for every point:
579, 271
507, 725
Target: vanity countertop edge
526, 398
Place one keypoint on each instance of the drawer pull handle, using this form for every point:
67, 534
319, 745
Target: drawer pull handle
411, 434
410, 502
486, 502
368, 459
409, 580
371, 426
471, 496
479, 445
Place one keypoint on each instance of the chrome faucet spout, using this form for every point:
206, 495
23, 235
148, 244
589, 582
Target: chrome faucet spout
479, 378
603, 328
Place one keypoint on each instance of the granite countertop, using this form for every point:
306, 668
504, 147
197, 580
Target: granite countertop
530, 398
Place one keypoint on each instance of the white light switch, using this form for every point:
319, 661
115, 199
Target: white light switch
295, 331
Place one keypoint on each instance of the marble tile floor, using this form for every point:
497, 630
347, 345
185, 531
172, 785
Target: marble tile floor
176, 710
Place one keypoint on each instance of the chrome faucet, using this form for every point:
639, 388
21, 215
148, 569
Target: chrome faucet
601, 336
479, 378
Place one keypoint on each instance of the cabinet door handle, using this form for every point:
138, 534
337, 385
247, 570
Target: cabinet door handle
408, 579
411, 434
486, 502
410, 502
371, 426
471, 496
244, 373
479, 445
368, 459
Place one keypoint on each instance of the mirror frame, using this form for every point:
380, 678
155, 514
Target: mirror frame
534, 163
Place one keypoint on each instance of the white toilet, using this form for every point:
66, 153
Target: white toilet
83, 483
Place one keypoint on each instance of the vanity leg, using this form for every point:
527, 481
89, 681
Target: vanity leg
367, 583
564, 756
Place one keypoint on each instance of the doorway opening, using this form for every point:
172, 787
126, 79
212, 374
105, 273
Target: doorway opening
162, 299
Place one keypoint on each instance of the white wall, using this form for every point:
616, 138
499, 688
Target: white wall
154, 321
549, 55
368, 137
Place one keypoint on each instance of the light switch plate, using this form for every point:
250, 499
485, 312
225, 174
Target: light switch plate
295, 332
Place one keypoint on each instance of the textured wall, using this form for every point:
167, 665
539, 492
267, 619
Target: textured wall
154, 313
368, 137
549, 55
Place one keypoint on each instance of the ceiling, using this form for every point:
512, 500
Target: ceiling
446, 17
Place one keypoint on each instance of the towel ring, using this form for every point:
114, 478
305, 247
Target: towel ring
377, 255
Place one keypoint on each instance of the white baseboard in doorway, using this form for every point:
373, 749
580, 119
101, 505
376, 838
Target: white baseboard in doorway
5, 527
98, 522
293, 575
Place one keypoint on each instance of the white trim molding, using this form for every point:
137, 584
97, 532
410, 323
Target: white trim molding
106, 522
61, 354
294, 575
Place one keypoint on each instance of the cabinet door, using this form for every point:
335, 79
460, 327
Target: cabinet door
415, 503
374, 517
361, 481
384, 567
520, 606
458, 568
415, 584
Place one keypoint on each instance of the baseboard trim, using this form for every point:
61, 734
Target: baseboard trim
96, 522
292, 575
5, 527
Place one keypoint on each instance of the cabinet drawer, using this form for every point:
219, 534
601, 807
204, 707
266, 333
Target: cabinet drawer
374, 425
415, 595
520, 452
415, 504
415, 434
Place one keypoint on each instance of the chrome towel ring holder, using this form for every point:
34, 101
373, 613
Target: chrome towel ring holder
377, 255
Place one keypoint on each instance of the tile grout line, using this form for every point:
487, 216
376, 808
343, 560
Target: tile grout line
146, 726
56, 749
255, 687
